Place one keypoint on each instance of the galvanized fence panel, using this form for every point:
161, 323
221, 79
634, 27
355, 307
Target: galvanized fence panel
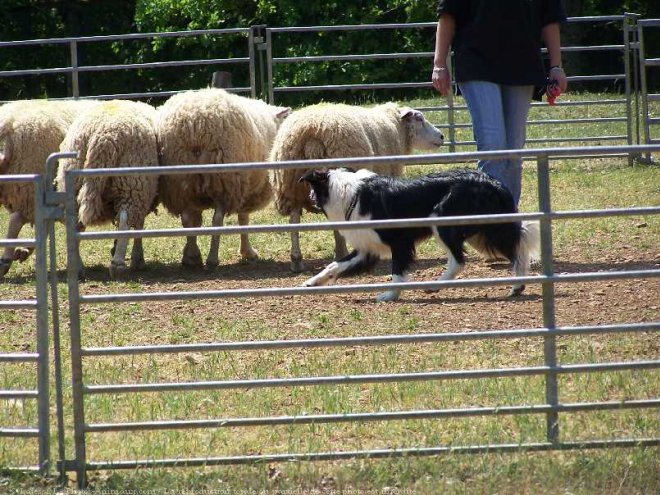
550, 370
624, 49
40, 358
649, 59
74, 69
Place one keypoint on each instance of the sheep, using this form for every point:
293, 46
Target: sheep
209, 126
342, 131
116, 133
30, 130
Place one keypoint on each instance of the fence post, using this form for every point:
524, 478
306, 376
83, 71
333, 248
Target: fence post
73, 271
257, 49
628, 27
53, 204
548, 291
269, 66
41, 274
75, 86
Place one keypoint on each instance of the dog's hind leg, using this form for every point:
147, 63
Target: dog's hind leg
354, 262
449, 238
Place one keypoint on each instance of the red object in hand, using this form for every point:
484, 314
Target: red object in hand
553, 91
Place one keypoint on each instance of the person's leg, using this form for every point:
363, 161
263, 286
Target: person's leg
484, 102
516, 101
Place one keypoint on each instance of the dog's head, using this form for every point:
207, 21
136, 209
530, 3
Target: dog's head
333, 190
319, 181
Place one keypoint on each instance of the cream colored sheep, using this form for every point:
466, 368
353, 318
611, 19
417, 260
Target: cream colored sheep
342, 131
211, 126
30, 130
115, 133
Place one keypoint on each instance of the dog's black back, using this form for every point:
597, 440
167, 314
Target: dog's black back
452, 193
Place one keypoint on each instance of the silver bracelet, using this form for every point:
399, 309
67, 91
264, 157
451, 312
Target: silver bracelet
439, 69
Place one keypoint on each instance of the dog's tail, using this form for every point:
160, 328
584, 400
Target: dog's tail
530, 241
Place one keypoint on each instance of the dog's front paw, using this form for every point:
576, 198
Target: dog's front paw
390, 295
310, 282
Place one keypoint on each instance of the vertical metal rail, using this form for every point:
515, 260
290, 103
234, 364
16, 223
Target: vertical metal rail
52, 200
644, 87
75, 86
251, 54
41, 273
269, 66
627, 28
451, 116
73, 269
548, 291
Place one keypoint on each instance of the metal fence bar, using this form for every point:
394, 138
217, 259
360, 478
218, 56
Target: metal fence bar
548, 295
41, 272
375, 340
377, 416
376, 454
73, 269
375, 378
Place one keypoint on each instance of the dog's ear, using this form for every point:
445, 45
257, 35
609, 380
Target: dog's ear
315, 176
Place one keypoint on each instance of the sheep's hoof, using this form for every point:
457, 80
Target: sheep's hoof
5, 264
249, 255
192, 257
389, 296
138, 264
297, 265
117, 271
516, 291
21, 254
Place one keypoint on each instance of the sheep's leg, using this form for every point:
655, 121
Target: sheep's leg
16, 222
118, 262
296, 255
340, 246
246, 251
192, 257
137, 253
212, 260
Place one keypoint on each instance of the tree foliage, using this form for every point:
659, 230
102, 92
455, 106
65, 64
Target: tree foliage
36, 19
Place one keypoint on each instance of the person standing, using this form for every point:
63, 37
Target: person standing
499, 68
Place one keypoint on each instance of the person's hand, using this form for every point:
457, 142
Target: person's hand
558, 75
441, 80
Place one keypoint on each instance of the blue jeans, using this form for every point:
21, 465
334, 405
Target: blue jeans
499, 118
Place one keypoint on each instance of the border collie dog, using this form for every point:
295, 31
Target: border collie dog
344, 195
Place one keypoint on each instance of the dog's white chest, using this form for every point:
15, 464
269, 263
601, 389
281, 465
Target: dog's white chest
367, 240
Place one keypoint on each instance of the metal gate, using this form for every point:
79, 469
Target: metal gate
550, 370
648, 60
38, 304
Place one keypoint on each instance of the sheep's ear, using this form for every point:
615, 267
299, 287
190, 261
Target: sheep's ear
283, 112
406, 113
315, 176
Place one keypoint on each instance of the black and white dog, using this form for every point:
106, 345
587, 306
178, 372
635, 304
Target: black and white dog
344, 195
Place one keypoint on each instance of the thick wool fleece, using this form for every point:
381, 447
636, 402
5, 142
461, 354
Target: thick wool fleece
115, 133
214, 126
30, 130
335, 131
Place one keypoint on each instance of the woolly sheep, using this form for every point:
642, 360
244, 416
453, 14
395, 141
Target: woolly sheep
115, 133
213, 126
342, 131
30, 130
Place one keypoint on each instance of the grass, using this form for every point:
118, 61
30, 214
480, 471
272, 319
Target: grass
579, 245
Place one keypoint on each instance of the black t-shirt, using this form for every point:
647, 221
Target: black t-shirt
500, 40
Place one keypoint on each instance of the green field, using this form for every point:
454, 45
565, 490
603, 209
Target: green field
616, 243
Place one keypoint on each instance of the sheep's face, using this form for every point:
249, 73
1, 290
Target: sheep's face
424, 135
